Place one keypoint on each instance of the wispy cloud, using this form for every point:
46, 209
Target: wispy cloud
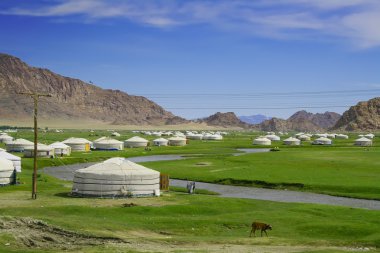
356, 21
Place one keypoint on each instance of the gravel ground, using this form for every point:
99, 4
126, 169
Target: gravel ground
67, 173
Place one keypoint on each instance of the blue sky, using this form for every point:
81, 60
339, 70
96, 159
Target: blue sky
198, 57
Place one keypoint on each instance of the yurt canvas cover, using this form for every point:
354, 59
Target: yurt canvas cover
14, 159
116, 177
7, 173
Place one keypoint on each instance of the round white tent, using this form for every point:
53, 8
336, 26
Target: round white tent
61, 148
7, 175
19, 145
322, 141
194, 136
136, 142
369, 136
14, 159
160, 142
116, 134
78, 144
363, 142
4, 138
42, 151
116, 177
304, 137
273, 137
341, 136
108, 144
292, 141
177, 141
262, 141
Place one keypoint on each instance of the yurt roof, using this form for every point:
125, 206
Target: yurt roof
5, 136
5, 164
9, 156
363, 139
137, 139
177, 138
262, 139
109, 141
59, 145
323, 139
100, 139
291, 139
21, 142
161, 140
115, 134
117, 166
41, 147
74, 140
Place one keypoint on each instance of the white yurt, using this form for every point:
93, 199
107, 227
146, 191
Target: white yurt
78, 144
194, 136
177, 141
273, 137
19, 145
7, 173
136, 142
16, 160
322, 141
369, 136
363, 142
262, 141
108, 144
60, 148
341, 136
160, 142
116, 177
304, 137
332, 136
291, 141
42, 151
116, 134
4, 138
157, 134
215, 137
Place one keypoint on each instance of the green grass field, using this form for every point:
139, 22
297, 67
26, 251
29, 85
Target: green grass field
204, 222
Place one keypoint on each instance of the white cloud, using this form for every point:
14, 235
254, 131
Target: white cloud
354, 20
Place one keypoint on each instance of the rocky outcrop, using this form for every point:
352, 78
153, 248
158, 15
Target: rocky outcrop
228, 119
365, 116
72, 99
302, 121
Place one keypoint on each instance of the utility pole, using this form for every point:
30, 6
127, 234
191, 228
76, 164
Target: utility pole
35, 97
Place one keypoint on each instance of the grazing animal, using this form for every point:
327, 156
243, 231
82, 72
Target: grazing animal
259, 225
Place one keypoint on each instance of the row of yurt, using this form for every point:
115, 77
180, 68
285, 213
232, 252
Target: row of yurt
19, 145
78, 144
42, 151
116, 177
7, 172
16, 161
108, 144
368, 136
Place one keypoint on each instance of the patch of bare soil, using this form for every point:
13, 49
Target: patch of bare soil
38, 234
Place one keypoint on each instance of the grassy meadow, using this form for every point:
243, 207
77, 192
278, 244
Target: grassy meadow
204, 222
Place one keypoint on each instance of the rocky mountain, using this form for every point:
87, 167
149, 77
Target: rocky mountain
72, 99
254, 119
363, 116
302, 121
228, 119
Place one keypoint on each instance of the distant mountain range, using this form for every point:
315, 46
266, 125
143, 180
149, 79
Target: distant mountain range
254, 119
76, 101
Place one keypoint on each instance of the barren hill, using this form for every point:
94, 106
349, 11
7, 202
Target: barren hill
363, 116
72, 99
228, 119
302, 121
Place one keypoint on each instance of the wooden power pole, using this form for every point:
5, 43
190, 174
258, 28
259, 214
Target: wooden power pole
35, 97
